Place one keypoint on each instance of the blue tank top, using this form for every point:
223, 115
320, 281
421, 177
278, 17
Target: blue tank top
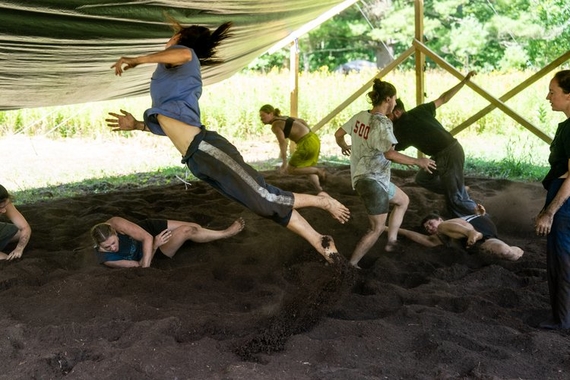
175, 92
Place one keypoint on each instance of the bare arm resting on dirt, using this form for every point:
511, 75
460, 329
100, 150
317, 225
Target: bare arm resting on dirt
425, 240
24, 229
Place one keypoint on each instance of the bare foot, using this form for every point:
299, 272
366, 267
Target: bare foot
480, 209
355, 266
393, 246
329, 249
514, 254
336, 209
473, 237
237, 226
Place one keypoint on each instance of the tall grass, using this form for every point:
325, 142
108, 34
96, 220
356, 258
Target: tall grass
231, 108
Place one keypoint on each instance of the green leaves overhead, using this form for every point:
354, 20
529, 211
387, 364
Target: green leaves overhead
491, 34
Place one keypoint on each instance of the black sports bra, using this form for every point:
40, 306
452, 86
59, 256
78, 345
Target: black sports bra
288, 125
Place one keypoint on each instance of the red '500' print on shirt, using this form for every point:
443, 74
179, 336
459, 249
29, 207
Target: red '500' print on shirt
361, 130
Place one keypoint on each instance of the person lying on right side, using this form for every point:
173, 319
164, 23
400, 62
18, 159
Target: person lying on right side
476, 233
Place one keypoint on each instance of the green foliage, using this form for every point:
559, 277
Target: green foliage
520, 171
496, 146
232, 106
484, 35
505, 169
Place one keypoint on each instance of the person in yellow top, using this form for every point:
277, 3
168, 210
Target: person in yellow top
306, 155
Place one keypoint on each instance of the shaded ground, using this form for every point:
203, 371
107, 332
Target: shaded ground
264, 305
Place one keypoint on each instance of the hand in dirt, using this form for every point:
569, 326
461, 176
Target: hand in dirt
16, 254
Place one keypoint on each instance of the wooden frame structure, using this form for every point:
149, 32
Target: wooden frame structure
420, 50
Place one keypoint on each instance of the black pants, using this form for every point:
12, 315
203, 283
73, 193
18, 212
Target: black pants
558, 260
448, 180
215, 160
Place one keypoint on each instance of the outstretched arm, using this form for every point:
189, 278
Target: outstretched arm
173, 56
125, 122
424, 163
425, 240
447, 95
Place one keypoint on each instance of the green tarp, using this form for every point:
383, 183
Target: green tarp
55, 52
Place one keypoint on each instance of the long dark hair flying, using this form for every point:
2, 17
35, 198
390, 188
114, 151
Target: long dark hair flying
202, 40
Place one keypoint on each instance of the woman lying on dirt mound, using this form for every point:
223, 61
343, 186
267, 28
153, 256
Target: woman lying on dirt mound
120, 243
476, 233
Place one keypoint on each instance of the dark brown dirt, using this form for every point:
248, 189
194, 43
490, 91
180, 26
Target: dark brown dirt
265, 305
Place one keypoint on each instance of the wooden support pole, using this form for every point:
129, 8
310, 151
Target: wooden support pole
420, 57
498, 103
363, 89
294, 74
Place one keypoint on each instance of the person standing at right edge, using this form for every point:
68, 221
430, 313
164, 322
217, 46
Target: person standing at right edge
553, 221
419, 128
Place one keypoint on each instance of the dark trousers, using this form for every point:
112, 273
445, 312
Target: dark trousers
215, 160
558, 260
448, 180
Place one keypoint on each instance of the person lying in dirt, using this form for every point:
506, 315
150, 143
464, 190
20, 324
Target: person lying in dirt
120, 243
474, 233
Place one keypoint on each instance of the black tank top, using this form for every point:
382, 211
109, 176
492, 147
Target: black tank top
288, 125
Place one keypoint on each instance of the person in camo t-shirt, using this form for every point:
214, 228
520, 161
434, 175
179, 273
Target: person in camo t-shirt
371, 153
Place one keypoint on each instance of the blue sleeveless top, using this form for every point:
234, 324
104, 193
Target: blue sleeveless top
175, 92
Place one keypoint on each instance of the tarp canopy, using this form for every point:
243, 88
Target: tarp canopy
56, 52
